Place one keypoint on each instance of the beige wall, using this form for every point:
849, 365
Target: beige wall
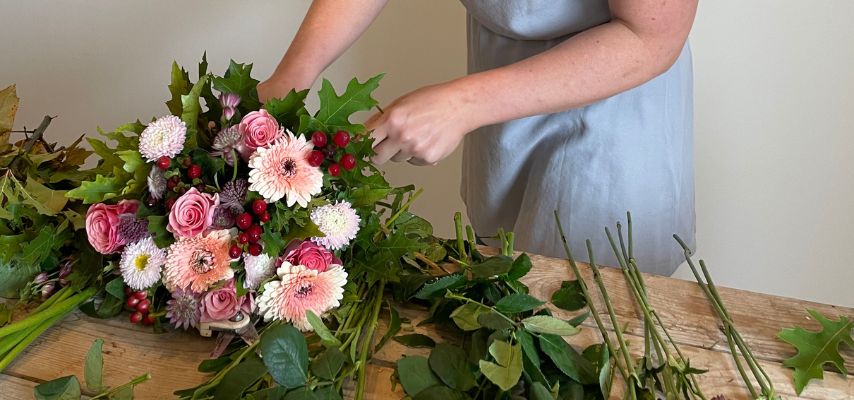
774, 117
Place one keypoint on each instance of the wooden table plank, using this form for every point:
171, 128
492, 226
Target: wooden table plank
172, 357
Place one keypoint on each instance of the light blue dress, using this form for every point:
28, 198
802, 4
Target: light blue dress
630, 152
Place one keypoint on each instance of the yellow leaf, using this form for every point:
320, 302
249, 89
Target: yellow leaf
8, 108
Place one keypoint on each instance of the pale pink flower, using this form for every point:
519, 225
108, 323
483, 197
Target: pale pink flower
198, 262
259, 129
338, 222
300, 289
192, 213
282, 170
102, 225
163, 137
220, 304
229, 103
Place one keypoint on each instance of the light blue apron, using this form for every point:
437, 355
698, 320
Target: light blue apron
630, 152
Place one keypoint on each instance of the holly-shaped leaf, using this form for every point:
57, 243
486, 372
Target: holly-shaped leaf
335, 111
238, 80
288, 109
815, 349
180, 86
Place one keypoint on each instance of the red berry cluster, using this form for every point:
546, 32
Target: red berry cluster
175, 184
323, 150
140, 307
251, 230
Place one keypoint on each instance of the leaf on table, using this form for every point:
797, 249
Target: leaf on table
550, 325
521, 266
567, 359
517, 303
328, 363
285, 353
569, 297
494, 320
815, 349
496, 265
8, 108
415, 374
439, 286
466, 316
65, 388
451, 365
415, 340
507, 368
440, 392
393, 327
93, 368
539, 392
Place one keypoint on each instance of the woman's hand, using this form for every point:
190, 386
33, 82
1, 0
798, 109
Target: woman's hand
423, 126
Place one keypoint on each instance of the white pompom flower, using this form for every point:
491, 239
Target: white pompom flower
339, 224
163, 137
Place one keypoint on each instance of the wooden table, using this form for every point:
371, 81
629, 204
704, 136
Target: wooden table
172, 357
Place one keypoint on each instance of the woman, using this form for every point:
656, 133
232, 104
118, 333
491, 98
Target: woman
584, 106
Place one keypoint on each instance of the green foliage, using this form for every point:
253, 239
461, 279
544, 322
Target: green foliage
335, 111
65, 388
815, 349
93, 368
238, 80
288, 110
415, 374
507, 368
416, 340
285, 354
569, 297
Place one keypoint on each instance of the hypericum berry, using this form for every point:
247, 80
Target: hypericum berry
334, 169
142, 294
194, 171
235, 251
348, 161
255, 249
244, 221
136, 317
315, 158
254, 232
163, 162
259, 206
172, 182
149, 319
242, 238
319, 139
341, 139
265, 217
143, 306
169, 203
132, 302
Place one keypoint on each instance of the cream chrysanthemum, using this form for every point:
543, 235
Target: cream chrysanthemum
198, 262
338, 222
282, 170
258, 268
163, 137
141, 263
300, 289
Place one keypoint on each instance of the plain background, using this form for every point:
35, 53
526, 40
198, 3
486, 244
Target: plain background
774, 84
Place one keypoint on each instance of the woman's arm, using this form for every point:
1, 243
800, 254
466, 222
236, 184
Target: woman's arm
642, 40
328, 29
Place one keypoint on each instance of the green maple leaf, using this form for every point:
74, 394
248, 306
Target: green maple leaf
238, 80
815, 349
335, 111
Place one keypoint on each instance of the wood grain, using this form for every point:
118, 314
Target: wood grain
172, 357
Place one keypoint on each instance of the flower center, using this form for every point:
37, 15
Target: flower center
289, 167
202, 261
303, 292
141, 261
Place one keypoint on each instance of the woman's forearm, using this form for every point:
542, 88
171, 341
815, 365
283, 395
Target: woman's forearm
327, 31
641, 42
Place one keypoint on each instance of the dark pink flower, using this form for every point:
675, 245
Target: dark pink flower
311, 256
220, 304
102, 222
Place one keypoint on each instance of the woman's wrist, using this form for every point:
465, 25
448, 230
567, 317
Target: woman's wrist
468, 103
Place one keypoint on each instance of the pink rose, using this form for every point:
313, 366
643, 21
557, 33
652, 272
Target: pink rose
102, 222
220, 304
192, 213
310, 255
258, 129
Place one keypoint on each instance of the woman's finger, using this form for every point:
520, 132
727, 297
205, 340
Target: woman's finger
375, 126
401, 156
385, 151
420, 162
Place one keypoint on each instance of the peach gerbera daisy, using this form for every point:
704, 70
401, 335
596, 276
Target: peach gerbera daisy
301, 289
198, 262
282, 170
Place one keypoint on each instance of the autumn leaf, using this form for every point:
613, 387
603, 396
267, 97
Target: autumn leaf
815, 349
8, 108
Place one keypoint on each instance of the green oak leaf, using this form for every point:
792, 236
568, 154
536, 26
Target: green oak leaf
335, 111
102, 188
288, 109
815, 349
180, 86
237, 79
190, 114
45, 200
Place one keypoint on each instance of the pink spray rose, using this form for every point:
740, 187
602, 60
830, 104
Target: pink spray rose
259, 129
102, 223
192, 213
311, 256
220, 304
